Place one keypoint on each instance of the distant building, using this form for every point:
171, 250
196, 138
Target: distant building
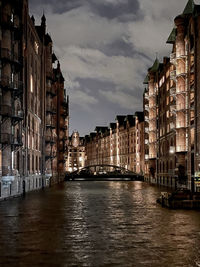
120, 144
76, 153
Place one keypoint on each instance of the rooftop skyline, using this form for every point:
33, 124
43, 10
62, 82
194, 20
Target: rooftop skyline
105, 49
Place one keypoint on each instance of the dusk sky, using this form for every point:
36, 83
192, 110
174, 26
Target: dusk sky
105, 48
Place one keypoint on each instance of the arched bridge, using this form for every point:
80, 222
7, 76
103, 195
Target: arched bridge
104, 172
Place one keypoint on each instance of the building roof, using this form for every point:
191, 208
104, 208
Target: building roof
146, 80
101, 129
155, 66
131, 120
172, 37
140, 115
113, 125
189, 8
120, 119
48, 39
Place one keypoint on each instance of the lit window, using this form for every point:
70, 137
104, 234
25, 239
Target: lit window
31, 83
36, 46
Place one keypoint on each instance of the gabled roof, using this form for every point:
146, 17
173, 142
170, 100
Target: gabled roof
155, 66
172, 37
120, 119
146, 80
140, 115
130, 119
101, 129
189, 9
113, 125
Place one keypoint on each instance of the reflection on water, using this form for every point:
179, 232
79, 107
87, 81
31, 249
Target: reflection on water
97, 224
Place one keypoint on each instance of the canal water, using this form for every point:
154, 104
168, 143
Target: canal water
97, 224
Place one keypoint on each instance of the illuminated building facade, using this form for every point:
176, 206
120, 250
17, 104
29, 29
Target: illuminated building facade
76, 152
30, 97
171, 106
120, 144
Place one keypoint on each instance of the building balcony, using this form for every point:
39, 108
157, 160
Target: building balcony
192, 87
152, 130
65, 104
173, 58
172, 126
146, 118
11, 57
173, 91
50, 139
49, 75
50, 155
146, 107
12, 85
181, 148
51, 90
180, 73
146, 95
152, 156
10, 139
51, 125
192, 105
9, 112
8, 21
50, 109
63, 127
181, 90
180, 125
173, 75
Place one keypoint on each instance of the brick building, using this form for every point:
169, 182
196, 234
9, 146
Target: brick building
171, 101
31, 93
120, 144
76, 152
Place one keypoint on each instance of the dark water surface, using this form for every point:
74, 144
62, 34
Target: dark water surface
97, 224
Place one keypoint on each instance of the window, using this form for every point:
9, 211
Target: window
31, 83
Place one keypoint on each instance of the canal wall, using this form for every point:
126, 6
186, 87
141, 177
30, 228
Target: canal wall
18, 186
167, 182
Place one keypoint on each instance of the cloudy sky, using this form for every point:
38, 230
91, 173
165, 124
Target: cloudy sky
105, 48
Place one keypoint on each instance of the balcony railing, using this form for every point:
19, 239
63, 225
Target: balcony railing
50, 139
8, 83
181, 148
8, 111
173, 57
9, 21
181, 89
7, 54
173, 74
50, 109
180, 125
172, 91
51, 90
10, 139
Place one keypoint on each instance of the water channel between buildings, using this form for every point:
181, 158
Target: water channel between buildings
97, 224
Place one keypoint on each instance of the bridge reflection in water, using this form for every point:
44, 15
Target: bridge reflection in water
104, 172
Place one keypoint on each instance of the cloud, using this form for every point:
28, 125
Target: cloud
124, 100
80, 96
105, 48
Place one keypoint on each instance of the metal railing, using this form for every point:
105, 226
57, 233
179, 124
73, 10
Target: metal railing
9, 83
11, 56
173, 74
172, 57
